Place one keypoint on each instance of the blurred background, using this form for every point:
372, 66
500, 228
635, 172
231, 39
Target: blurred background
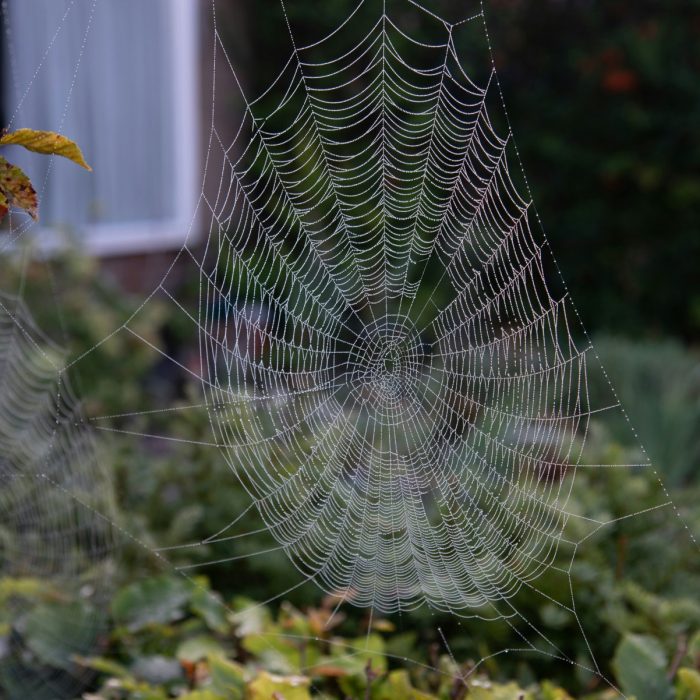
604, 100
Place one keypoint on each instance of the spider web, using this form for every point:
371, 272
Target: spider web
57, 512
401, 450
389, 358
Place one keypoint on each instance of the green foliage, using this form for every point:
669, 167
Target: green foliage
154, 601
42, 634
55, 634
621, 212
658, 383
688, 684
247, 652
619, 192
157, 626
640, 663
266, 685
605, 102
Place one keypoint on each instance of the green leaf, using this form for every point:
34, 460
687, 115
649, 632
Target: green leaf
198, 648
16, 190
265, 685
370, 648
107, 667
397, 686
497, 691
133, 689
249, 617
47, 142
159, 600
204, 695
354, 656
26, 588
227, 678
277, 653
640, 666
694, 646
209, 606
157, 670
58, 633
552, 692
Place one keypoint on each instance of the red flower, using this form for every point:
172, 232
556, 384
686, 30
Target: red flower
619, 80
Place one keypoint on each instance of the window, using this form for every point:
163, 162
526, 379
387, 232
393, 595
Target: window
119, 78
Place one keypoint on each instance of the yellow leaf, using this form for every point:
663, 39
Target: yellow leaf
16, 190
382, 625
47, 142
688, 684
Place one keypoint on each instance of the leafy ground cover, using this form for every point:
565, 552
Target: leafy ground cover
167, 637
156, 635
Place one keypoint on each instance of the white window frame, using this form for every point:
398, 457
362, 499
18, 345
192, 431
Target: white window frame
146, 236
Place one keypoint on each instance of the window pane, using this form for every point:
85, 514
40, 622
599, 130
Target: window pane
119, 105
